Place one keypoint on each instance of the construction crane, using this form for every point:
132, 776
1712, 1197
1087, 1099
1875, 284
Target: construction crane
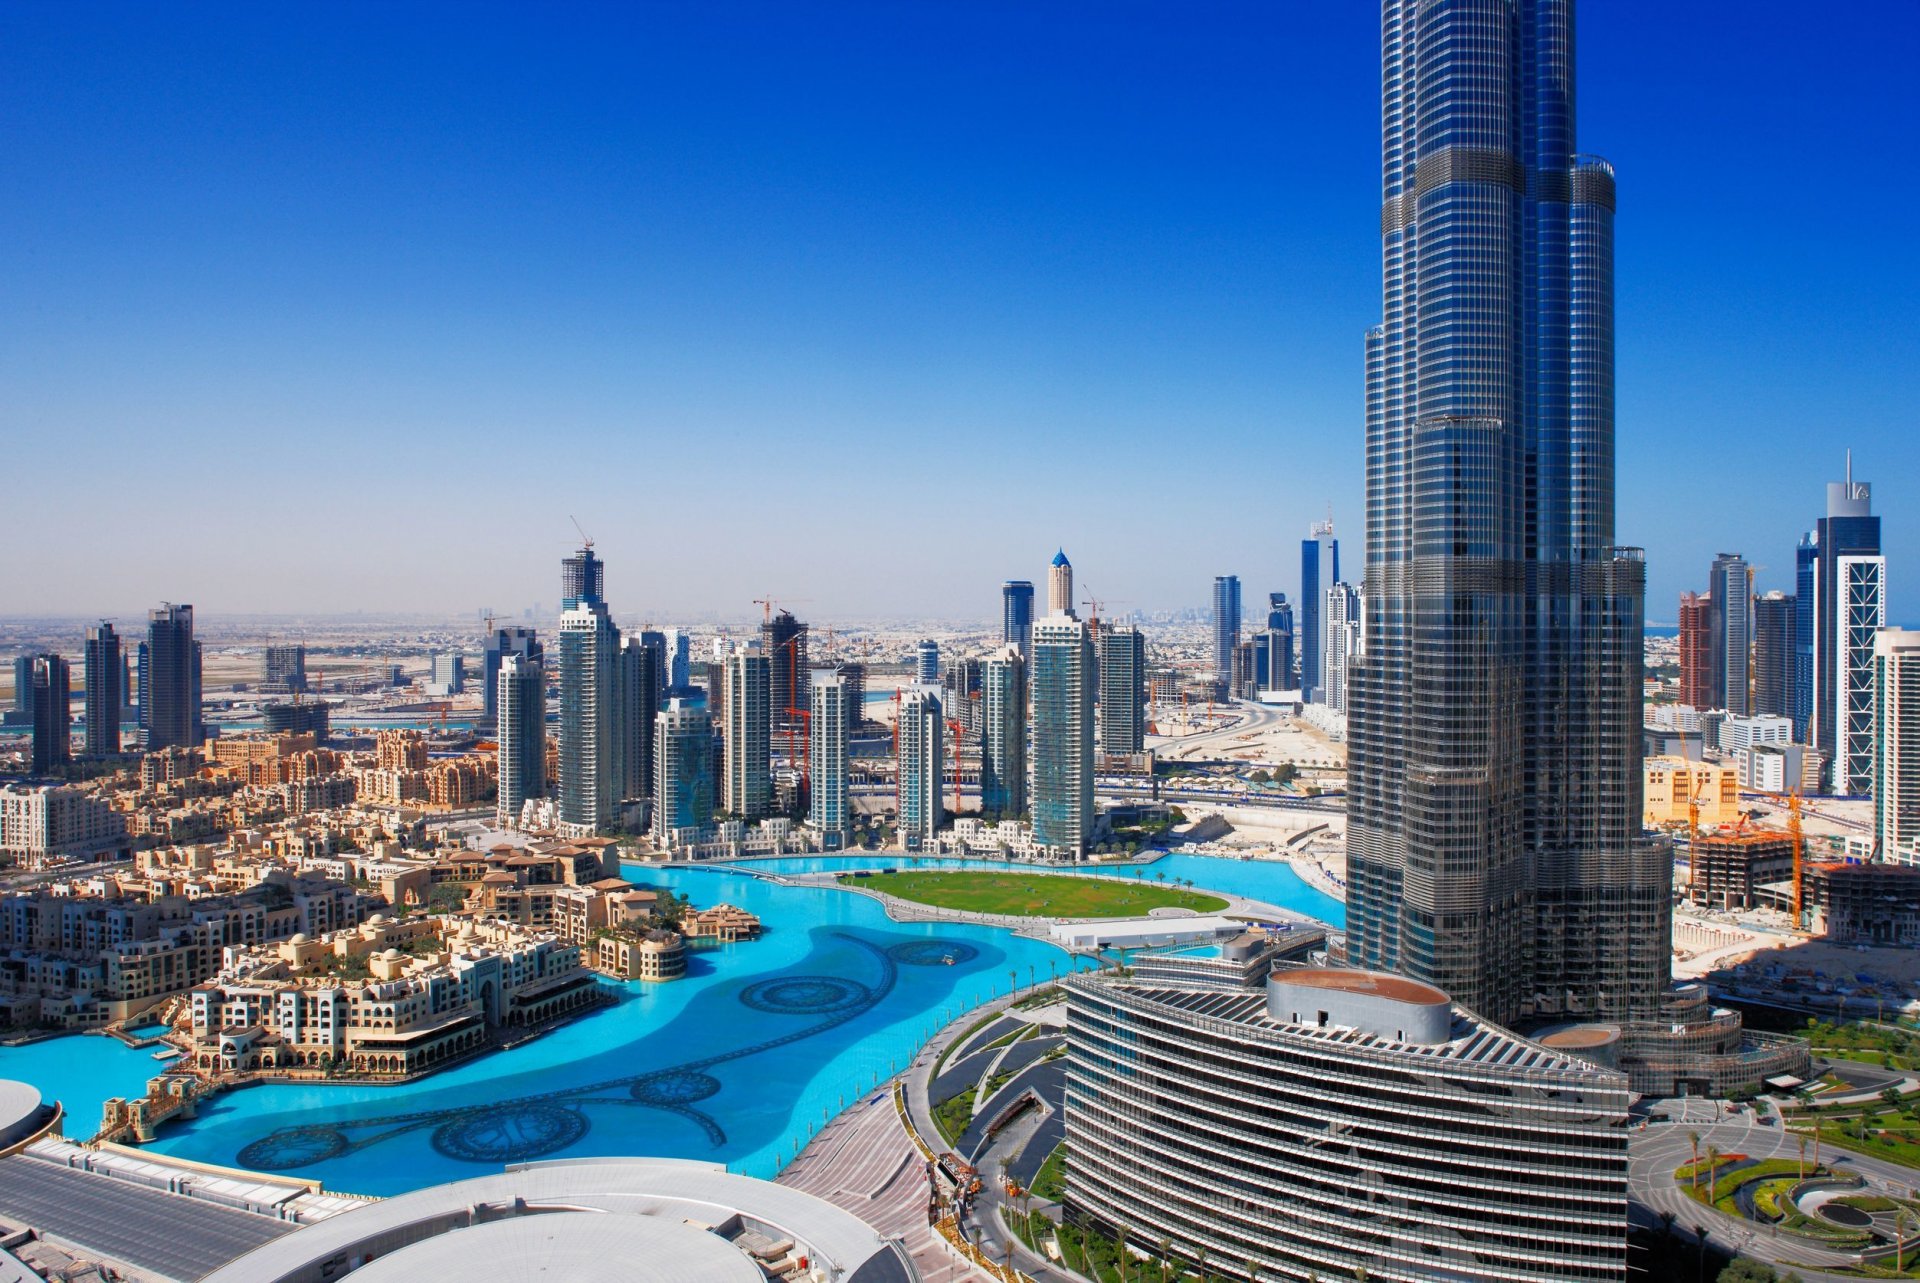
586, 541
1798, 836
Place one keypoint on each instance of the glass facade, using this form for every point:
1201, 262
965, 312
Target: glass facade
1061, 692
1123, 690
1494, 842
1016, 603
1226, 623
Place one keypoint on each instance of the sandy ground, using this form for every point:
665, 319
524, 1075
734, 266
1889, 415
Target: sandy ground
1314, 843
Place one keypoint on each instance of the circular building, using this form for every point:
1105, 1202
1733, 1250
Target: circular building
621, 1220
22, 1112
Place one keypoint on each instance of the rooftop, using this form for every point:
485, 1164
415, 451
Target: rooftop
1373, 983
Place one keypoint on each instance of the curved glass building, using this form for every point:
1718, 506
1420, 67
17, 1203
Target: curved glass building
1323, 1121
1494, 841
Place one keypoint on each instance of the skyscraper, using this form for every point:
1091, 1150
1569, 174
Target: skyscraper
922, 753
1339, 642
50, 689
1773, 654
524, 642
1696, 651
784, 639
1896, 741
1278, 674
1003, 733
1060, 699
173, 679
1123, 691
1806, 563
1060, 585
1849, 592
520, 704
747, 790
1016, 610
582, 579
592, 769
1730, 634
639, 700
827, 730
1319, 571
1494, 847
23, 688
106, 677
682, 770
1226, 624
926, 663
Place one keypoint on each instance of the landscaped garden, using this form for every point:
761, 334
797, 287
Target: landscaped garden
1036, 895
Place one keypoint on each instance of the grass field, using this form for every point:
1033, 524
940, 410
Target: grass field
1036, 895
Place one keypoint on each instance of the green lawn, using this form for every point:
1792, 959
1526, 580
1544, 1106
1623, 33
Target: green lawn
1037, 895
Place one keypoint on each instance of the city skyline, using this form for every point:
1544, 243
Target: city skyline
558, 256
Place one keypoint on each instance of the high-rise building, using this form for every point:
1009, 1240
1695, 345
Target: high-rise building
1696, 651
855, 676
1226, 624
23, 688
106, 679
922, 753
1123, 690
679, 669
1016, 611
1773, 655
784, 639
1060, 586
49, 687
283, 669
582, 580
1730, 634
1319, 571
1060, 702
1340, 641
1806, 563
1896, 745
449, 676
170, 697
747, 789
831, 719
639, 701
1328, 1124
960, 687
524, 642
1003, 733
1278, 673
143, 688
682, 770
926, 663
592, 769
520, 728
1849, 592
1494, 845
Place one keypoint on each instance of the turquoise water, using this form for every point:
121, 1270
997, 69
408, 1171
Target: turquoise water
81, 1071
739, 1062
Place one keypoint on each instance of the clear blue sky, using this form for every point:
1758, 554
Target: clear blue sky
310, 308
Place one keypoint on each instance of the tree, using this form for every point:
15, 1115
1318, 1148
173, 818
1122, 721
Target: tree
1693, 1139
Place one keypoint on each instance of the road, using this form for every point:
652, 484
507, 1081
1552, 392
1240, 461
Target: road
1662, 1147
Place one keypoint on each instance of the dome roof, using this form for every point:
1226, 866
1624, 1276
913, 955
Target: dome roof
391, 955
299, 937
1060, 558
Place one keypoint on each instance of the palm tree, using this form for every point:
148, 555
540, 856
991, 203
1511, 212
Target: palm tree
1700, 1240
1693, 1139
1165, 1245
1120, 1251
1803, 1158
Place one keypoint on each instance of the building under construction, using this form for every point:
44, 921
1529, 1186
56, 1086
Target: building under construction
784, 639
1865, 903
1730, 866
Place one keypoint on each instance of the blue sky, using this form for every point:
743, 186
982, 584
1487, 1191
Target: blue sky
870, 305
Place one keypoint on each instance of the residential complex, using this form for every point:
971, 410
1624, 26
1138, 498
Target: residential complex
1060, 692
832, 717
1896, 747
106, 675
